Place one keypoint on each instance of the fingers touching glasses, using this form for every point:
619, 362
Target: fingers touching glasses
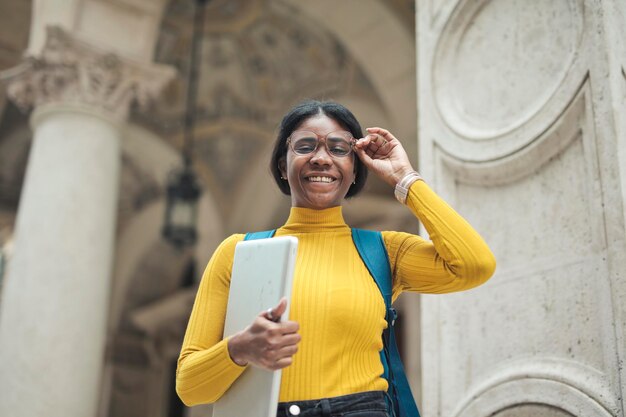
374, 145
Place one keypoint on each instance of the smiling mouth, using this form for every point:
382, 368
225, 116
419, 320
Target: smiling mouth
320, 179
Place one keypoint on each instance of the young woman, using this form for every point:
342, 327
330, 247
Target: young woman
330, 348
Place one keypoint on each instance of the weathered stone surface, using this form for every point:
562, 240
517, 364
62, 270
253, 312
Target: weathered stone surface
522, 108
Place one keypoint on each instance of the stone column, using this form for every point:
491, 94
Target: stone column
56, 294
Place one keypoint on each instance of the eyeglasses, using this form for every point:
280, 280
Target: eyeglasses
338, 144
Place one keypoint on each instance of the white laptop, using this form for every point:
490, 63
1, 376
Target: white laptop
262, 274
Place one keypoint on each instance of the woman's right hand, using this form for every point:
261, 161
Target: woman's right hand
266, 343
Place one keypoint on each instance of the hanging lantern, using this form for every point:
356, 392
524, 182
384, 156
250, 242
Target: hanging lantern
183, 192
183, 189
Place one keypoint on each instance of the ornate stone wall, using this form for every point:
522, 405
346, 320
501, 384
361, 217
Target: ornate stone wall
521, 128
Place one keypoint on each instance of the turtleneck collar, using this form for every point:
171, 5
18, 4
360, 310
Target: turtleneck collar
311, 220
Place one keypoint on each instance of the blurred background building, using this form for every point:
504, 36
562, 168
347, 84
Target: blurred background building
514, 112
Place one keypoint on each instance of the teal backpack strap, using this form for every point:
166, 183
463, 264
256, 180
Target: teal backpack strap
371, 248
260, 235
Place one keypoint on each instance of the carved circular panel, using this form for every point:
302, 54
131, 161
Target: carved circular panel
542, 387
533, 410
544, 397
498, 63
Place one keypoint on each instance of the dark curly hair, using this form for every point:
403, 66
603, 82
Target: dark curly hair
299, 114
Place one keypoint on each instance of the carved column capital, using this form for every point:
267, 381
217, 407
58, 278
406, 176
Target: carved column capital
70, 71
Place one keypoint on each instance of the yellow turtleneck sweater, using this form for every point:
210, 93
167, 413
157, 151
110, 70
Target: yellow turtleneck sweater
334, 299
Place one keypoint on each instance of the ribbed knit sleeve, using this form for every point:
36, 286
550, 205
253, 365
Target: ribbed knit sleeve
457, 259
205, 370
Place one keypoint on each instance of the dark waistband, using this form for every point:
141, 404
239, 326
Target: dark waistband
362, 401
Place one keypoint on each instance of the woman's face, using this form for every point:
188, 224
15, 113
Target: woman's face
318, 180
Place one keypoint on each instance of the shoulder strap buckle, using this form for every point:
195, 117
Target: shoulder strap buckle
392, 315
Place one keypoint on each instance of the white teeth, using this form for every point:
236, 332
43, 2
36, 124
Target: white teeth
320, 179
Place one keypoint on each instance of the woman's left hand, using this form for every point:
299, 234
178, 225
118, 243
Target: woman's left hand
384, 155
